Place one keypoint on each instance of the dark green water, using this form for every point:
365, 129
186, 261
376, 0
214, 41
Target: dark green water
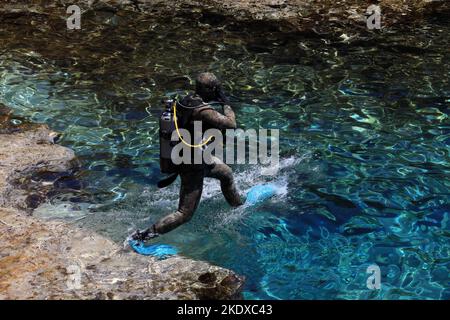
365, 139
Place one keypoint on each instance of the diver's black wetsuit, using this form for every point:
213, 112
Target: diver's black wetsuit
192, 175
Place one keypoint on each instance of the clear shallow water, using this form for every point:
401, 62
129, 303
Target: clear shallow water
365, 139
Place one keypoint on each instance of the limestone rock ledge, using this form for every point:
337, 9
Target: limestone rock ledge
54, 260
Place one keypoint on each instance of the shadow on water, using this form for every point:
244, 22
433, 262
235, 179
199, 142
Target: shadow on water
364, 139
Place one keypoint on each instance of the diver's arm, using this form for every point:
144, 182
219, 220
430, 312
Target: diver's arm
227, 120
229, 113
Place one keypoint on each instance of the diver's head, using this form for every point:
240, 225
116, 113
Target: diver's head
207, 86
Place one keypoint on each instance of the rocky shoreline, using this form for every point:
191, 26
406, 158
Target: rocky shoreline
54, 260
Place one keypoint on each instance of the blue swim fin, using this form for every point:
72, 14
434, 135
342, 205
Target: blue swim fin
260, 192
161, 251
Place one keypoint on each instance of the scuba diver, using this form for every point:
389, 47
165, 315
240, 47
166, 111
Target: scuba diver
198, 106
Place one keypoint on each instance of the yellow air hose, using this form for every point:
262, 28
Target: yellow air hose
178, 131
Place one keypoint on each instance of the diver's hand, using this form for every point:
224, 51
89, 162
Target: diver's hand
222, 97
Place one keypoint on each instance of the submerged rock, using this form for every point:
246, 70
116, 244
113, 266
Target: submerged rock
24, 152
323, 17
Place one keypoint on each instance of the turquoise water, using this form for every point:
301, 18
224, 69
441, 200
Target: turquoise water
365, 139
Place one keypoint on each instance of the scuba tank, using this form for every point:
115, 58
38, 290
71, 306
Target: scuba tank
166, 128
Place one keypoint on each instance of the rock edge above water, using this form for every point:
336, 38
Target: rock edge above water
51, 260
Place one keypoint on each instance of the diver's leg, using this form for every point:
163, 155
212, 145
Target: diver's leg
223, 172
190, 194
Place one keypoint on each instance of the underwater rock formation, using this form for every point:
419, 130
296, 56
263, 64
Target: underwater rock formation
323, 17
53, 260
299, 15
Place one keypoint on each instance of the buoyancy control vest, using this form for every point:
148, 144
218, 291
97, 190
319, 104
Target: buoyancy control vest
177, 115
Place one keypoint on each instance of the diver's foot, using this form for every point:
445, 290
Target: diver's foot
145, 235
